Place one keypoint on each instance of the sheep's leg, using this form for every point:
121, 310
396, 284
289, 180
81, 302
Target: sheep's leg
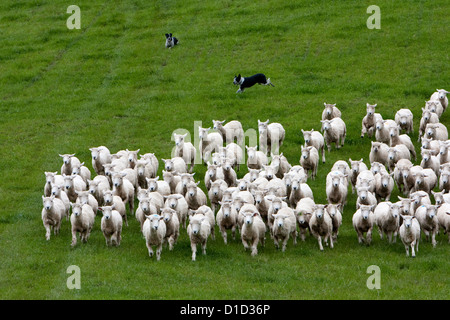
319, 239
331, 241
131, 204
74, 238
245, 244
294, 236
323, 154
255, 247
276, 242
150, 250
369, 236
224, 234
194, 251
363, 131
204, 247
433, 239
285, 240
394, 240
233, 232
158, 252
171, 242
407, 250
413, 253
360, 236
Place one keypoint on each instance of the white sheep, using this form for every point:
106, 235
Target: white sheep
284, 226
315, 139
363, 221
309, 160
406, 206
427, 117
334, 132
384, 184
97, 186
430, 160
379, 152
100, 156
321, 225
185, 150
178, 203
334, 210
404, 119
369, 120
69, 160
441, 197
73, 184
281, 164
271, 137
365, 179
356, 166
419, 198
85, 197
382, 130
401, 167
443, 217
441, 96
396, 153
233, 152
195, 197
436, 131
132, 158
213, 173
377, 167
58, 192
52, 213
330, 111
299, 191
435, 106
262, 202
342, 166
431, 144
82, 221
444, 181
426, 215
336, 190
397, 139
170, 218
145, 208
153, 161
230, 131
154, 231
277, 187
123, 188
144, 169
215, 193
109, 199
198, 231
209, 143
52, 178
365, 197
185, 178
175, 164
172, 179
304, 211
226, 219
444, 152
160, 186
82, 171
410, 234
111, 225
229, 175
426, 180
253, 231
255, 159
387, 219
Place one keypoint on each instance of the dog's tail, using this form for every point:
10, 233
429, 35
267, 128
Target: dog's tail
268, 82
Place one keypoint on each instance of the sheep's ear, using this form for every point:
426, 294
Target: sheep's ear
157, 178
113, 206
100, 208
325, 104
43, 197
123, 174
198, 183
82, 164
256, 213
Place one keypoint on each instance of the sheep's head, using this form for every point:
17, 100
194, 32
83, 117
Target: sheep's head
226, 207
438, 197
132, 155
355, 165
68, 181
405, 205
117, 178
269, 172
191, 188
326, 124
432, 105
48, 202
144, 204
262, 126
212, 170
179, 139
277, 203
370, 109
140, 167
279, 219
391, 153
83, 196
379, 124
167, 214
108, 197
319, 210
306, 152
251, 152
394, 209
363, 193
393, 131
56, 189
195, 221
426, 114
186, 178
50, 177
66, 157
217, 124
242, 184
385, 178
154, 220
407, 221
203, 132
328, 107
443, 147
76, 168
172, 200
376, 167
442, 93
107, 211
376, 146
307, 135
76, 209
366, 210
216, 187
249, 217
417, 196
94, 153
152, 184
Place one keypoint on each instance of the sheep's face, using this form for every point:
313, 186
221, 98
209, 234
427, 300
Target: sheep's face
142, 193
186, 178
431, 132
405, 205
329, 108
432, 106
270, 172
259, 196
416, 197
249, 217
379, 125
391, 154
172, 202
319, 211
216, 158
238, 202
404, 120
376, 146
426, 143
95, 152
107, 212
196, 223
108, 197
56, 190
215, 188
364, 183
385, 179
117, 179
407, 221
279, 219
212, 169
443, 147
438, 197
376, 167
145, 205
287, 179
363, 193
191, 189
251, 152
262, 126
154, 221
217, 124
426, 114
370, 109
303, 217
242, 185
296, 184
66, 158
132, 156
394, 209
431, 211
336, 180
305, 153
168, 165
50, 177
68, 182
393, 131
152, 184
140, 167
47, 202
254, 174
83, 197
76, 209
442, 93
354, 165
167, 214
226, 208
307, 136
93, 186
426, 155
277, 204
419, 178
365, 211
444, 177
202, 133
326, 125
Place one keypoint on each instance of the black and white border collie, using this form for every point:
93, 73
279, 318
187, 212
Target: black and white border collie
247, 82
170, 41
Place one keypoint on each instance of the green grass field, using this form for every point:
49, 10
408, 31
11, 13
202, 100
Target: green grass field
113, 83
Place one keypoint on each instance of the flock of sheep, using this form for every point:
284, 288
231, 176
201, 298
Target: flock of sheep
273, 197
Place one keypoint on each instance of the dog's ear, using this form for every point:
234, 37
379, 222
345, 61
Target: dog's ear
167, 35
239, 75
170, 35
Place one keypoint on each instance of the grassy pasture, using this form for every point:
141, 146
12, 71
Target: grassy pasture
113, 83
